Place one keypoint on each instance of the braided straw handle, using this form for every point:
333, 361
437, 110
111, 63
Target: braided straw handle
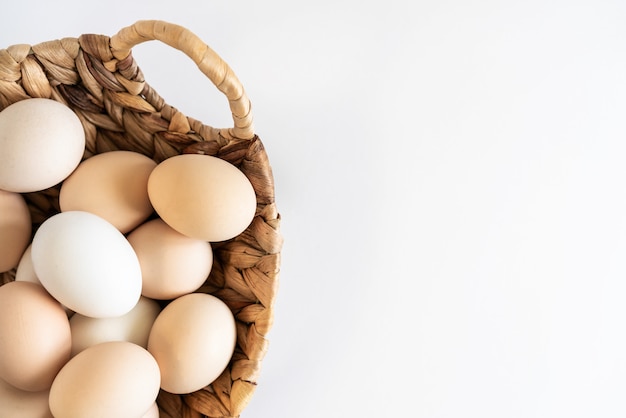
205, 58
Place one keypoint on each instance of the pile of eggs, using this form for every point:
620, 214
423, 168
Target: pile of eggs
82, 328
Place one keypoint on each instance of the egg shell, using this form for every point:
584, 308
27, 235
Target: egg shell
172, 264
201, 196
41, 142
25, 271
112, 185
87, 264
17, 403
35, 339
111, 379
192, 340
15, 229
133, 327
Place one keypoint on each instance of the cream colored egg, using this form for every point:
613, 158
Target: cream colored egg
41, 143
17, 403
112, 185
15, 229
192, 340
87, 264
202, 197
112, 379
172, 264
25, 271
35, 339
133, 327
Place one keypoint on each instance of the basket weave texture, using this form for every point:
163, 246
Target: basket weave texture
97, 77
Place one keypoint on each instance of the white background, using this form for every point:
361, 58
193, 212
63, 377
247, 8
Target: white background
452, 183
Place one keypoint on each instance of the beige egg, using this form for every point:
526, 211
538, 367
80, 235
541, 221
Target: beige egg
35, 339
25, 271
15, 229
17, 403
41, 143
202, 197
192, 340
112, 379
133, 327
172, 264
112, 185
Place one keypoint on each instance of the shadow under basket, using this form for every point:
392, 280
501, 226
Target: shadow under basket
97, 77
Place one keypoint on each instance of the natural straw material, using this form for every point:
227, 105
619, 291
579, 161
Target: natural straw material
97, 77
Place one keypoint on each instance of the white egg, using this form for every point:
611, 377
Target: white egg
87, 264
41, 142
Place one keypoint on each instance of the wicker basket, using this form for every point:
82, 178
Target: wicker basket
97, 77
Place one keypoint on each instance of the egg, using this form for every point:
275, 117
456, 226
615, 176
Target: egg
15, 228
35, 339
111, 379
25, 271
112, 185
87, 264
201, 196
41, 142
16, 403
133, 327
192, 340
172, 264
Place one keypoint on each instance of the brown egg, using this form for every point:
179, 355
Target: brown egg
110, 379
192, 340
35, 339
112, 185
202, 197
172, 264
15, 229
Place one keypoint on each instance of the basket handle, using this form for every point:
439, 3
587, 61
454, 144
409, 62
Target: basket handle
211, 65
